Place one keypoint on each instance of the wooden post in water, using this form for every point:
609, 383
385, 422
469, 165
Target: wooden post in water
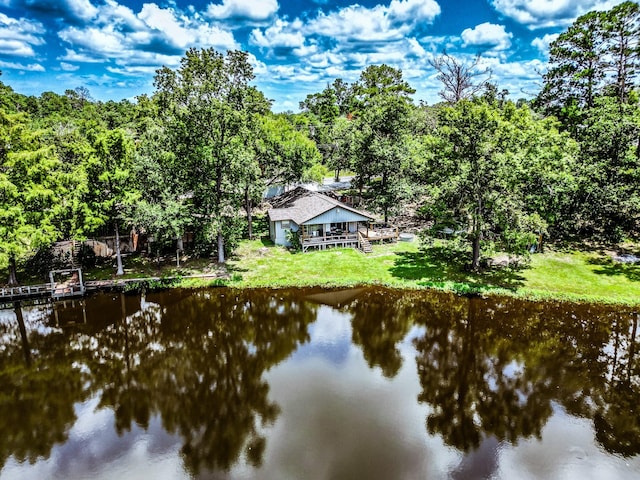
17, 308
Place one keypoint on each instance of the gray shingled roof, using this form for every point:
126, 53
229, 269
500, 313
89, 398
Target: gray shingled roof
301, 205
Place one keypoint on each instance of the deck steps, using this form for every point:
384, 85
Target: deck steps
365, 245
76, 248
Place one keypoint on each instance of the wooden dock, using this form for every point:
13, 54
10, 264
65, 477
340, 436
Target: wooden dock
55, 291
72, 286
60, 291
27, 291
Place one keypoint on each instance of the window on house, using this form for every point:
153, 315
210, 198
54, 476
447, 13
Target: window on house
286, 224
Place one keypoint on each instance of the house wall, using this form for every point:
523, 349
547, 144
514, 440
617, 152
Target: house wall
325, 228
279, 235
336, 215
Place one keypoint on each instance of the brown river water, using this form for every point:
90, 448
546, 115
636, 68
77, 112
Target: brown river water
366, 383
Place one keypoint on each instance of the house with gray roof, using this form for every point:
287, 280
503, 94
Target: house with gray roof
320, 220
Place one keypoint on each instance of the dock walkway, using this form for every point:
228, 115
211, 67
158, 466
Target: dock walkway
68, 290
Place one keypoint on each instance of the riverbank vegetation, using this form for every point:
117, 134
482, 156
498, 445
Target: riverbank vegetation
568, 274
193, 160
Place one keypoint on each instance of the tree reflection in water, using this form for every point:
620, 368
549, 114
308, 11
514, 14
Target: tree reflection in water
39, 384
494, 368
617, 416
491, 370
381, 320
198, 362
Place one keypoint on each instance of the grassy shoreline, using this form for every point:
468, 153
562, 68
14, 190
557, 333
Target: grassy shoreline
575, 276
571, 275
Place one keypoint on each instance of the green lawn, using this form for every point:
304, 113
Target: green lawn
588, 275
572, 275
569, 275
255, 264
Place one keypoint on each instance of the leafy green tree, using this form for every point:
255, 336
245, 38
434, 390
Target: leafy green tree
280, 155
163, 209
30, 191
489, 172
599, 54
334, 101
607, 199
575, 71
51, 105
210, 108
544, 162
333, 132
591, 86
380, 151
72, 146
470, 178
337, 146
622, 56
113, 190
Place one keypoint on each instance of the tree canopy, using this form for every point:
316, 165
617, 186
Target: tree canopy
198, 154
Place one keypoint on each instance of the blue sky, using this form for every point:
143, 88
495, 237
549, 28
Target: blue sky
113, 47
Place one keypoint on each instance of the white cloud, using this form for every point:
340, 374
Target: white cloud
141, 42
105, 42
414, 10
82, 9
439, 43
180, 31
282, 34
294, 73
120, 15
370, 32
19, 36
487, 35
66, 10
74, 56
133, 70
549, 13
33, 67
15, 48
379, 23
325, 59
164, 20
542, 43
248, 9
67, 67
415, 47
404, 54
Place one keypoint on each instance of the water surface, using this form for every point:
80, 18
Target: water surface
318, 384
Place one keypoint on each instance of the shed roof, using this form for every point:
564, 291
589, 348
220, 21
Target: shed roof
301, 205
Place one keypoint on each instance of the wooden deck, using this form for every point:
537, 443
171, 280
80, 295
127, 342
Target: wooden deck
380, 234
355, 240
335, 240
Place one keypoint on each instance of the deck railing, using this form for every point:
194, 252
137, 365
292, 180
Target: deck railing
25, 291
323, 241
55, 290
375, 234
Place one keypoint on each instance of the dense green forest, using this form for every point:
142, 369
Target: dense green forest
199, 152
